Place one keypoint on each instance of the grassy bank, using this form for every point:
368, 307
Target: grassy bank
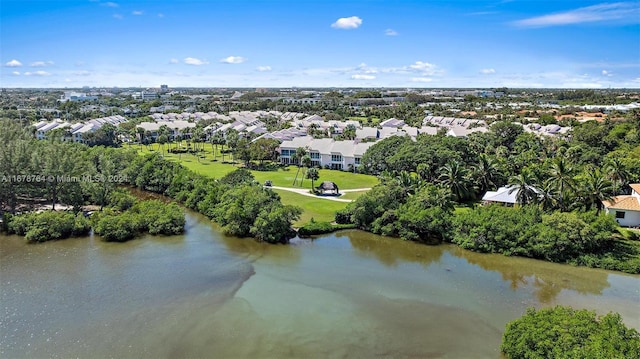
316, 208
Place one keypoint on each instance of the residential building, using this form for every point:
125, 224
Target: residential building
625, 208
325, 152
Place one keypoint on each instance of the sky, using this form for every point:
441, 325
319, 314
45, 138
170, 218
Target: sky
348, 43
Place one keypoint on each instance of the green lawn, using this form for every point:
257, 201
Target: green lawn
321, 210
316, 208
352, 195
283, 177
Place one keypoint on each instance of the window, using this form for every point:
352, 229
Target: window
357, 160
336, 158
285, 153
315, 155
620, 214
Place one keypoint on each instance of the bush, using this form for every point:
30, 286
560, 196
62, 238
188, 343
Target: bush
343, 216
49, 225
563, 332
121, 200
151, 216
117, 227
313, 228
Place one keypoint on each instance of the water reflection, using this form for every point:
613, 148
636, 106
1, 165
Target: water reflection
389, 251
549, 279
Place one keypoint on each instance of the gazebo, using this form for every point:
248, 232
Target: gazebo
328, 186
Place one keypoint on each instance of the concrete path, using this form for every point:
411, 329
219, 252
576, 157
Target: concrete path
305, 192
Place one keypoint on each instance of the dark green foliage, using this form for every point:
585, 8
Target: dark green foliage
273, 224
563, 332
117, 227
343, 216
314, 227
239, 207
151, 216
121, 200
49, 225
563, 237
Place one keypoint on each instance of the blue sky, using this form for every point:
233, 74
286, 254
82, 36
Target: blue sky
282, 43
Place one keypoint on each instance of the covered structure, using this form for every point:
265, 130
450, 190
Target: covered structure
328, 186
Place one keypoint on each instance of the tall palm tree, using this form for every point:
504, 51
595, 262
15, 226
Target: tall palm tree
595, 188
561, 177
300, 152
306, 165
487, 172
617, 172
524, 186
456, 177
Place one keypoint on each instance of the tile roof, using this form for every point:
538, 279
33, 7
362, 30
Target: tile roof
626, 202
635, 187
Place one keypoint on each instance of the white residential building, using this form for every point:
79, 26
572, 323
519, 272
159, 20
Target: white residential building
626, 208
325, 152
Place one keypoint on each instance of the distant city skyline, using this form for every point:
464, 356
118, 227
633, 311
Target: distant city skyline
282, 43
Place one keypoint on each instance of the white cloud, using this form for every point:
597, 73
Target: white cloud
37, 73
425, 68
137, 12
362, 77
363, 68
13, 63
174, 61
16, 73
421, 79
194, 61
41, 63
628, 12
118, 16
233, 60
347, 23
390, 32
606, 73
82, 73
488, 71
263, 68
110, 4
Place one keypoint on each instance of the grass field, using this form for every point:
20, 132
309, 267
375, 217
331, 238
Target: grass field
316, 208
321, 210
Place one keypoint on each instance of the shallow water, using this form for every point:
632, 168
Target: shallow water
351, 294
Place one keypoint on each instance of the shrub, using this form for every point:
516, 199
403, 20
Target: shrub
49, 225
563, 332
343, 216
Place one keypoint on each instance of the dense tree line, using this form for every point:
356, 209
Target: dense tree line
564, 332
559, 183
39, 172
595, 162
241, 205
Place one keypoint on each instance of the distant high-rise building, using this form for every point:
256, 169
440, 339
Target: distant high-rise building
164, 88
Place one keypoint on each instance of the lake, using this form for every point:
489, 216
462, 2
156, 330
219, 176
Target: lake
345, 295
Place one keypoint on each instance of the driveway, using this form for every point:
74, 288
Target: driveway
305, 192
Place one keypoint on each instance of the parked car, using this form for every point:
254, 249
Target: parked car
267, 183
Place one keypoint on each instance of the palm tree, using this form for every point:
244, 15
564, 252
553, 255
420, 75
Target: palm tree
523, 185
409, 182
313, 175
300, 152
487, 172
617, 172
306, 164
217, 139
456, 177
561, 177
595, 189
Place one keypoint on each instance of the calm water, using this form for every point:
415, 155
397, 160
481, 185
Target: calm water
349, 295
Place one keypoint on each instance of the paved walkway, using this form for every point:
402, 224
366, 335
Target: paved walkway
305, 192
